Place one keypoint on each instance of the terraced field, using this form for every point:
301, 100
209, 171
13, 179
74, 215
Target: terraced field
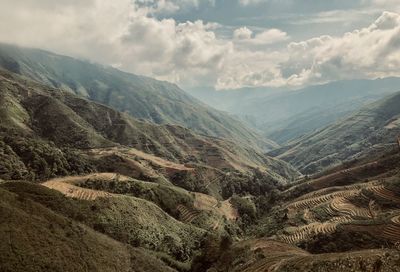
276, 252
318, 200
381, 191
187, 215
328, 181
325, 209
343, 206
392, 231
74, 191
274, 256
69, 186
308, 231
332, 189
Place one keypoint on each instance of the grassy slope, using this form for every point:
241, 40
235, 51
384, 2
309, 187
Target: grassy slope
36, 238
129, 220
72, 122
142, 97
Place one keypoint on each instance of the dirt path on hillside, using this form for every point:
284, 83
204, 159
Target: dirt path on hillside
132, 152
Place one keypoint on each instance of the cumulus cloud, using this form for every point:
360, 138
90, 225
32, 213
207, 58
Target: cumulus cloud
125, 34
270, 36
242, 33
370, 52
121, 33
265, 37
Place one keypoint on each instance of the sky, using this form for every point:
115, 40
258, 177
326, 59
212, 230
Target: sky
224, 44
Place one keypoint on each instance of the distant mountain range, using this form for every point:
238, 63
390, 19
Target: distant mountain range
283, 115
142, 97
372, 130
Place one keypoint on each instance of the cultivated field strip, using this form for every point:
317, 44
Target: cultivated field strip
308, 231
187, 215
73, 191
392, 230
315, 201
344, 206
321, 182
330, 190
381, 191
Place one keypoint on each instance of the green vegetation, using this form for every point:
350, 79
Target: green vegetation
53, 122
35, 159
166, 197
129, 220
38, 239
160, 224
142, 97
246, 209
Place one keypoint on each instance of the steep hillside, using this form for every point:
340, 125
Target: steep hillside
49, 132
347, 219
141, 97
37, 238
259, 255
374, 129
284, 115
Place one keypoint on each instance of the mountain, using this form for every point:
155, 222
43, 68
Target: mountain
283, 115
373, 129
86, 187
142, 97
48, 132
98, 186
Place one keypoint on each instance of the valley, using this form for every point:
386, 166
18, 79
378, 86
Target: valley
99, 178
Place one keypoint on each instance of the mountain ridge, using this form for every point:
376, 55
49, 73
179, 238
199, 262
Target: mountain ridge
142, 97
53, 120
284, 115
372, 130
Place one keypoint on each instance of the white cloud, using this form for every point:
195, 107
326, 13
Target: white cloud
270, 36
242, 33
117, 32
371, 52
125, 34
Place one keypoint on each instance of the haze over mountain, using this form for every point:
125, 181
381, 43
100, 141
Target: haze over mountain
372, 130
141, 97
283, 115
